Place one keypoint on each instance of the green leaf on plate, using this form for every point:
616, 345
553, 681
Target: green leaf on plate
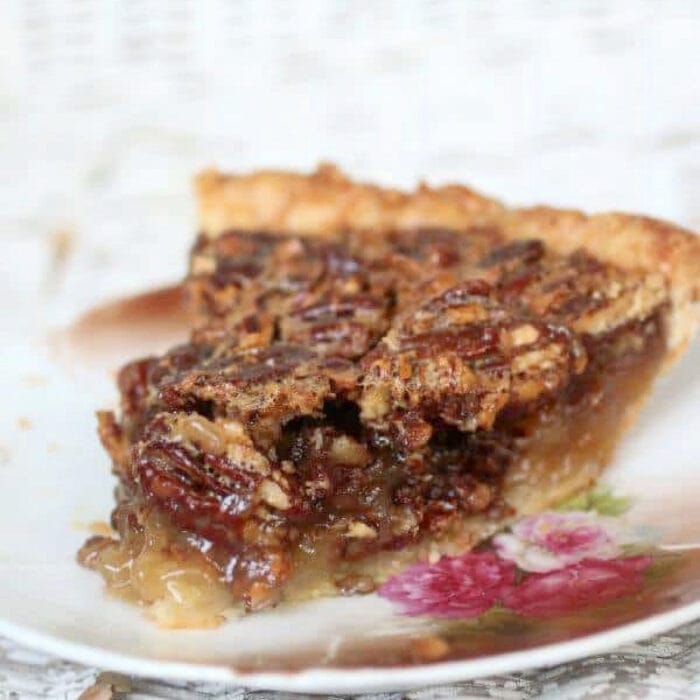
601, 501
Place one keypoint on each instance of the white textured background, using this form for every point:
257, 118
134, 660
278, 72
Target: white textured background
106, 108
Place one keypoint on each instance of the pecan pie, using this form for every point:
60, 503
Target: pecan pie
376, 377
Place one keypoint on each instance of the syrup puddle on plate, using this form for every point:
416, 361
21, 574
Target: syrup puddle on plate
116, 332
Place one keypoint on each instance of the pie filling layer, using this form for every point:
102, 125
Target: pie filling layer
350, 404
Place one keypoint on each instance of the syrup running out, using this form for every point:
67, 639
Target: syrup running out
113, 333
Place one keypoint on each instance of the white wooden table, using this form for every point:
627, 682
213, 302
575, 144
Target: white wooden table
106, 108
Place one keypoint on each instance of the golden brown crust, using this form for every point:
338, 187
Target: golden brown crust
326, 201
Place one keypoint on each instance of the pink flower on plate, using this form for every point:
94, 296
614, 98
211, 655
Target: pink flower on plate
552, 540
584, 584
454, 587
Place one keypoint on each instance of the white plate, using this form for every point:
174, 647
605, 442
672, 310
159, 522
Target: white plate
54, 478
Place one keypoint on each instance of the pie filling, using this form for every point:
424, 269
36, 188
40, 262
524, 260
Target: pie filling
350, 404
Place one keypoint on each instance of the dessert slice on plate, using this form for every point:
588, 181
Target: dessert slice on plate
375, 378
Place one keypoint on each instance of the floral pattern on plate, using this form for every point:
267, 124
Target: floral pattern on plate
549, 564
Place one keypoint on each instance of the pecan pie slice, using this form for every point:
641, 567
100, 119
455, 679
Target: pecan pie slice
376, 377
